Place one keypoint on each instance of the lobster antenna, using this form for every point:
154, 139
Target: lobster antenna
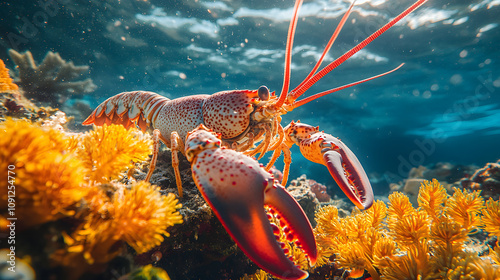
318, 95
288, 53
330, 43
334, 64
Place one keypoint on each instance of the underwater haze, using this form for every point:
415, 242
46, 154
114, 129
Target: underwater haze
443, 105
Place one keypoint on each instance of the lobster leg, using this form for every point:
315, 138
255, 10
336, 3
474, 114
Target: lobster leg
154, 158
176, 145
237, 188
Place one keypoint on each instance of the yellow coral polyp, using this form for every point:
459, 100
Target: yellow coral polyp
376, 214
491, 217
410, 229
138, 215
383, 251
431, 197
464, 207
430, 242
6, 82
399, 206
142, 215
446, 231
48, 179
108, 150
352, 257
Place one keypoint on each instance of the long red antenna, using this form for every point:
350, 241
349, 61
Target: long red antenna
330, 43
318, 95
311, 81
288, 53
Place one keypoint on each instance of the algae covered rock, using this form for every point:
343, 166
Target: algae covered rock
486, 179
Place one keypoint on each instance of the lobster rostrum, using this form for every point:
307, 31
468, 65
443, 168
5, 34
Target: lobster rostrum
237, 187
248, 121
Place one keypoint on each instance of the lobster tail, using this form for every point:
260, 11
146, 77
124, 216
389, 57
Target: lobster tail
137, 108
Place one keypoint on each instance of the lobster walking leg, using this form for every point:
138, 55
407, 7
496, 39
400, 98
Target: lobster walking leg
176, 144
154, 158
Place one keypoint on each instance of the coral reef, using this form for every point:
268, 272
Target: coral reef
319, 191
446, 173
6, 82
52, 81
399, 241
49, 182
83, 217
300, 189
107, 150
486, 179
78, 193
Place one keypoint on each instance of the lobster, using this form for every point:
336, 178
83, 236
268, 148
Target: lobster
248, 121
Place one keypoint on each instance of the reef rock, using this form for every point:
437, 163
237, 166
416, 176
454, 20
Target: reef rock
486, 179
319, 191
447, 173
52, 81
300, 189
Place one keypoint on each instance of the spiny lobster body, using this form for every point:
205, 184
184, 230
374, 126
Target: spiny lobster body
239, 119
227, 112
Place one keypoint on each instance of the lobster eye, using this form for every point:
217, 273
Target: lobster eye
263, 93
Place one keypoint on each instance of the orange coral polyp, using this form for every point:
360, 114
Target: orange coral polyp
49, 182
6, 82
109, 150
138, 215
491, 217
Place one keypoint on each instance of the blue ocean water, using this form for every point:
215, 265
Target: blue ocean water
442, 105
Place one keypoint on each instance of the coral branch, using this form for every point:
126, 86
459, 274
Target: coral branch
53, 80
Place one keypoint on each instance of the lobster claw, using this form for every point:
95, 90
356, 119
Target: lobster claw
347, 171
236, 187
341, 162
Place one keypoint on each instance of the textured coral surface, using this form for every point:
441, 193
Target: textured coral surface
6, 82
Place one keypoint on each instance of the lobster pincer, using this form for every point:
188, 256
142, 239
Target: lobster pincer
237, 187
341, 162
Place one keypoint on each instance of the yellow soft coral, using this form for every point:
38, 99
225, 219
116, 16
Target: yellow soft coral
412, 265
491, 217
399, 206
410, 229
383, 251
465, 207
48, 179
108, 150
431, 242
431, 197
138, 215
57, 175
6, 82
